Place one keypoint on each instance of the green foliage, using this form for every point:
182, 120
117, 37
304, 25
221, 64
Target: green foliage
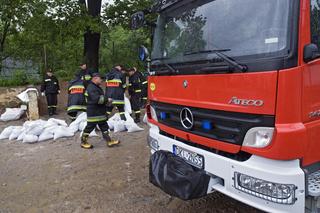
50, 33
19, 78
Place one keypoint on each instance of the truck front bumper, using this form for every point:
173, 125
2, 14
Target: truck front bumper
219, 167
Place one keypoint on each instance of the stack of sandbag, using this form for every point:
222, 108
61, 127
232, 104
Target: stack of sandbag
117, 125
38, 131
12, 114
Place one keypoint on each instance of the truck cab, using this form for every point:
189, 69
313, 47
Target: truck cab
235, 92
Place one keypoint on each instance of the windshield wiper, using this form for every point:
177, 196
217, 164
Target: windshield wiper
219, 52
171, 70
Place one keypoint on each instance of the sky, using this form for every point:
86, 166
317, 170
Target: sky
107, 1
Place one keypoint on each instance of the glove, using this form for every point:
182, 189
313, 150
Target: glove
43, 94
59, 91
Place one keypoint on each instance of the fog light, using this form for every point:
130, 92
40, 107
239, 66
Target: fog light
274, 192
153, 143
259, 137
207, 125
163, 115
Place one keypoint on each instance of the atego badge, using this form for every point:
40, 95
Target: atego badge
246, 102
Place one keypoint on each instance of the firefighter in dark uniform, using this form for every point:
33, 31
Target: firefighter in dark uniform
50, 88
96, 113
144, 88
76, 99
84, 74
115, 90
135, 93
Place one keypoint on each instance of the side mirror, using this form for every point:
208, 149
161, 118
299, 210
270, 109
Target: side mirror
143, 53
137, 20
310, 52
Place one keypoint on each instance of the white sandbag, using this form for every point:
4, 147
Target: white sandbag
128, 117
15, 133
35, 130
21, 136
111, 124
82, 126
30, 139
5, 134
145, 119
62, 132
58, 121
132, 127
81, 118
12, 114
115, 117
127, 105
92, 134
24, 97
51, 129
74, 127
119, 126
45, 136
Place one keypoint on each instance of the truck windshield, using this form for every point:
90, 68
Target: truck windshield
243, 27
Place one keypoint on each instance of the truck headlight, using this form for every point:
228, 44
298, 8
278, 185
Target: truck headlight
274, 192
258, 137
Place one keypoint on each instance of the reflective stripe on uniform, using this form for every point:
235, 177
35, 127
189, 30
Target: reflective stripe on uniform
139, 90
145, 98
87, 77
114, 81
118, 102
121, 113
76, 87
52, 106
137, 112
47, 80
77, 107
145, 82
86, 94
97, 119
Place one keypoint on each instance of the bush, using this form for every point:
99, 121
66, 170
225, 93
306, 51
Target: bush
19, 78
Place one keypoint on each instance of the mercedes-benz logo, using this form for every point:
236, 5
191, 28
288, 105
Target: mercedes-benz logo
185, 84
186, 118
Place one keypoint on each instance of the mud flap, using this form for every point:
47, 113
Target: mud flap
176, 177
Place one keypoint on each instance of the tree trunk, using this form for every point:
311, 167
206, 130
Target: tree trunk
92, 39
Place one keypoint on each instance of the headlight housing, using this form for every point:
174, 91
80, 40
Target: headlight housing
274, 192
259, 137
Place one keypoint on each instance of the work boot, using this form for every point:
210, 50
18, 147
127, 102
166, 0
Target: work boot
110, 142
50, 112
84, 142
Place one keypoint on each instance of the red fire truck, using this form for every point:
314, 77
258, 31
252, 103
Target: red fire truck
234, 91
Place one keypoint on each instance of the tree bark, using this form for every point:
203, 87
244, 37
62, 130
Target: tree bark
92, 39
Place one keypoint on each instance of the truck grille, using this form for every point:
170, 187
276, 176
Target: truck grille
229, 127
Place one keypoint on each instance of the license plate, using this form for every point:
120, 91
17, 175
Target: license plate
192, 158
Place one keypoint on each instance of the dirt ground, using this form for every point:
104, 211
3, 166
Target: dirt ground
61, 177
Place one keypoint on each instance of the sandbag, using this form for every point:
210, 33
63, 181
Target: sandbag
45, 136
51, 129
115, 117
81, 118
119, 126
128, 117
132, 127
82, 126
35, 130
145, 119
127, 105
15, 133
12, 114
74, 127
58, 121
21, 136
30, 139
62, 132
176, 177
111, 124
5, 134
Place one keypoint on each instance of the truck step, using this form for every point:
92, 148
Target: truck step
314, 184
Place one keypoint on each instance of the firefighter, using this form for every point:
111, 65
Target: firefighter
144, 88
84, 74
50, 88
76, 99
115, 90
135, 93
96, 113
